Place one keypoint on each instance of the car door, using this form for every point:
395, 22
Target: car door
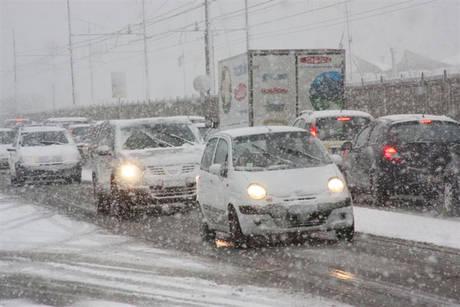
104, 158
205, 188
357, 174
220, 182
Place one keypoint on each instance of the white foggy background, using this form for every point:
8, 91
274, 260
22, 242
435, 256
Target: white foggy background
430, 28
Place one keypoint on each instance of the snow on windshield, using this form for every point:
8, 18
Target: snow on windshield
43, 138
157, 136
277, 151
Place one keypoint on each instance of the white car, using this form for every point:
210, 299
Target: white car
146, 163
6, 140
66, 121
333, 127
44, 153
271, 180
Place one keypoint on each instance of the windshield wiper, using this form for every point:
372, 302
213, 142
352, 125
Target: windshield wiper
178, 137
51, 143
273, 156
301, 153
159, 141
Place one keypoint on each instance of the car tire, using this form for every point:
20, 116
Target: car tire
377, 191
236, 234
346, 234
207, 234
450, 198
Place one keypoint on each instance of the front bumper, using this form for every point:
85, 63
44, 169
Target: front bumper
48, 171
296, 218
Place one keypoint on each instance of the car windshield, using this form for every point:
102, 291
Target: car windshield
6, 137
43, 138
429, 131
340, 128
157, 136
81, 134
273, 151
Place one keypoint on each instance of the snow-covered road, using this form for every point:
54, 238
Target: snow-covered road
55, 250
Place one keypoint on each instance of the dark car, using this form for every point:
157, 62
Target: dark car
406, 155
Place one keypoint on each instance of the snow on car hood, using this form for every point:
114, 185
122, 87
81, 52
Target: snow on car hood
50, 153
295, 183
165, 156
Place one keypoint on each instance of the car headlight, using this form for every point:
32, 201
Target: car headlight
130, 172
256, 192
336, 185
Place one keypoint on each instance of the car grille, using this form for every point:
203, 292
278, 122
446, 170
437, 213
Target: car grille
172, 169
313, 219
174, 192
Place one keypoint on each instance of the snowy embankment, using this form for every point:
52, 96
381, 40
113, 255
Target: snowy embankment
39, 244
408, 226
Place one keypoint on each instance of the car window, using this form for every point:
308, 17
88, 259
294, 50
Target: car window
376, 134
340, 128
221, 156
430, 131
299, 123
208, 153
106, 137
362, 137
6, 137
43, 138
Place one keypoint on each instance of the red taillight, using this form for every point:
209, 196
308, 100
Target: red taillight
426, 121
391, 154
343, 119
314, 131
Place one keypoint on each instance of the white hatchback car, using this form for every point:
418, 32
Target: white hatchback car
146, 163
271, 180
44, 153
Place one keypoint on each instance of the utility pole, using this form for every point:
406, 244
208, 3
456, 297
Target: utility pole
69, 23
393, 63
350, 57
206, 39
15, 74
146, 60
90, 60
246, 19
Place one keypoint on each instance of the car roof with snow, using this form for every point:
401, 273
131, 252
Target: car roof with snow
80, 126
6, 129
399, 118
67, 119
237, 132
40, 129
309, 114
149, 120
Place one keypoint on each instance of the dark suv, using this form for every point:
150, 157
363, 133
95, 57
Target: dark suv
406, 155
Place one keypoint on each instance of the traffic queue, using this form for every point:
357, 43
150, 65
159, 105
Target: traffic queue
246, 182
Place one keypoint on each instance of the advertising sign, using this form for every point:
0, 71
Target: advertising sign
233, 92
321, 80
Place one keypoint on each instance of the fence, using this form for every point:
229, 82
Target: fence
433, 95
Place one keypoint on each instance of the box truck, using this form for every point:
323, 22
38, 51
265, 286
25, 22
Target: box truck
271, 87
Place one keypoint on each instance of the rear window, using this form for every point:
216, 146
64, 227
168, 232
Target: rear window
435, 131
81, 134
340, 128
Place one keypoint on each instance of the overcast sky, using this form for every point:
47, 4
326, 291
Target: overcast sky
176, 57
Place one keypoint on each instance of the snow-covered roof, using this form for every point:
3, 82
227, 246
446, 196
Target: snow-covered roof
415, 117
80, 126
5, 130
67, 119
334, 113
41, 129
237, 132
150, 120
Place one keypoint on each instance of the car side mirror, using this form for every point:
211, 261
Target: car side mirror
11, 149
347, 146
103, 150
337, 159
216, 169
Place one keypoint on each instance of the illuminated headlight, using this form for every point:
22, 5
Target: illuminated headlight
130, 172
336, 185
256, 192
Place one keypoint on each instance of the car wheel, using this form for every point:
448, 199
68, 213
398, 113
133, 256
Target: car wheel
207, 235
346, 234
450, 198
236, 234
377, 190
